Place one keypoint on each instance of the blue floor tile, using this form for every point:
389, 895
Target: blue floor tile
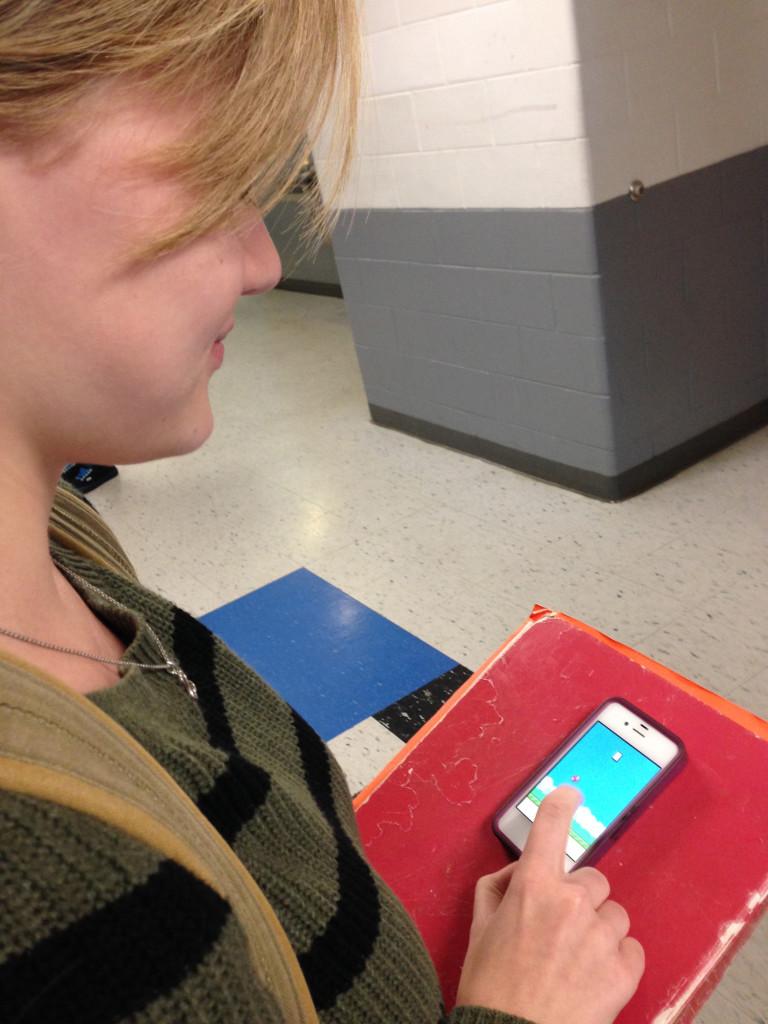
331, 658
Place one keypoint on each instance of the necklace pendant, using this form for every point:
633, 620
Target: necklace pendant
184, 679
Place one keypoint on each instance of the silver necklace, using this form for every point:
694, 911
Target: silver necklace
169, 665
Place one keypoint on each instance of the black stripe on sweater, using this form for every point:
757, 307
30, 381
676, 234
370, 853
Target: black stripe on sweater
117, 960
235, 797
195, 647
242, 787
339, 954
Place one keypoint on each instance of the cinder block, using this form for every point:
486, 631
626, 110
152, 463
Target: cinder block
548, 446
475, 344
405, 235
447, 290
396, 401
428, 180
377, 282
578, 305
432, 9
349, 277
565, 174
537, 106
679, 208
573, 415
517, 240
571, 243
395, 130
380, 369
373, 327
743, 182
568, 360
544, 240
474, 238
508, 296
452, 117
616, 230
379, 15
455, 386
720, 258
405, 58
351, 234
482, 43
498, 177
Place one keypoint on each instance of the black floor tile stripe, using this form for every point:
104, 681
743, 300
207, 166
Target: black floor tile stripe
406, 716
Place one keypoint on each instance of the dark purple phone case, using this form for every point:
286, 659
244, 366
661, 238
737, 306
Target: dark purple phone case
613, 831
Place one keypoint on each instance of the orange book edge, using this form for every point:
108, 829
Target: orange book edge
741, 716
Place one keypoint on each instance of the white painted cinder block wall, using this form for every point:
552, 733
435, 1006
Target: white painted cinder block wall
552, 103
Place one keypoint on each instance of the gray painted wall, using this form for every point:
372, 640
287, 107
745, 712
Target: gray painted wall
484, 322
573, 342
684, 290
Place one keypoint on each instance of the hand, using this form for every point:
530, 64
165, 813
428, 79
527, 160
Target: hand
547, 945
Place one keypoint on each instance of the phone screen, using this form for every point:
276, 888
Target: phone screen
609, 772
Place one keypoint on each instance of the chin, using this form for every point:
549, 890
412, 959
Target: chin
191, 442
203, 429
189, 437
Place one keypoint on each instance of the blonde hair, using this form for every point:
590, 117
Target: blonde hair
269, 75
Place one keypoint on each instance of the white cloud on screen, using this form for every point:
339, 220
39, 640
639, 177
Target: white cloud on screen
546, 785
589, 822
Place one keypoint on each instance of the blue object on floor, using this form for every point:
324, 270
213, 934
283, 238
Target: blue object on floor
87, 478
330, 657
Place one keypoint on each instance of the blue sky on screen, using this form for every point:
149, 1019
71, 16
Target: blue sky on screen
607, 784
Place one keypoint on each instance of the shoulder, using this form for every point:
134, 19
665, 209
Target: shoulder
103, 918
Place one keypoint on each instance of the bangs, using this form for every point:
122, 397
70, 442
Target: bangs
265, 76
268, 81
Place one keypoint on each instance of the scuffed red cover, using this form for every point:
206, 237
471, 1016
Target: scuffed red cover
692, 869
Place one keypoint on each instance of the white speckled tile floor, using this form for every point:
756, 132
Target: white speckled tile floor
452, 548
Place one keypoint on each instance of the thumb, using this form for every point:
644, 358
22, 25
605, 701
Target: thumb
489, 892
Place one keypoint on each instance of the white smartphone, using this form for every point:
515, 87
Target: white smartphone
618, 758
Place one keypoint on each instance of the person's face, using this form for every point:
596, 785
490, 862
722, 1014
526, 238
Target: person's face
100, 363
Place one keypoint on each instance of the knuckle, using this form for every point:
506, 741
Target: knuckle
594, 880
624, 916
632, 962
577, 899
639, 953
600, 877
482, 884
605, 935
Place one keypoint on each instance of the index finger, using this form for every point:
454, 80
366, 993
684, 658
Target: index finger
547, 839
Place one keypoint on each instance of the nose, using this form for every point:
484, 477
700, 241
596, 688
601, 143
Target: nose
262, 268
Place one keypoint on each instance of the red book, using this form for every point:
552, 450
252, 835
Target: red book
691, 869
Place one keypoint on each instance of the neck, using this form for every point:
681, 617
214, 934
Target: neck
34, 595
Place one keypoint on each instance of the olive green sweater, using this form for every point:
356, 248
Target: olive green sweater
98, 928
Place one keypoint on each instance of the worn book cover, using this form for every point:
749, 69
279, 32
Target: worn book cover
691, 868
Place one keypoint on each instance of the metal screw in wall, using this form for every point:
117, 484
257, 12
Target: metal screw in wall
636, 191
